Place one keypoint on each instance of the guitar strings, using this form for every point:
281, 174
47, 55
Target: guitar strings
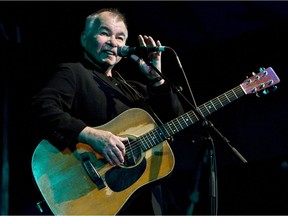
181, 121
163, 132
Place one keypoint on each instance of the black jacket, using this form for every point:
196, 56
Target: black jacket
78, 96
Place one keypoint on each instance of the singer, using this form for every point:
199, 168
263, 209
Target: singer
83, 95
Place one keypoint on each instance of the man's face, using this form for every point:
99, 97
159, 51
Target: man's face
102, 39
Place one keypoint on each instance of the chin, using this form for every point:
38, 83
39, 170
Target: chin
110, 62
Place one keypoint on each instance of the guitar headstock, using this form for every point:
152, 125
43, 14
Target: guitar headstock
260, 81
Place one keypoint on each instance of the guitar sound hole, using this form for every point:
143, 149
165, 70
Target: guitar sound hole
133, 152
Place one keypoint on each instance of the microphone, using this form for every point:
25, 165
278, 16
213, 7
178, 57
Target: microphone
125, 51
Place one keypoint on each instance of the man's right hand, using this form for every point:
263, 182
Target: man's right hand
110, 146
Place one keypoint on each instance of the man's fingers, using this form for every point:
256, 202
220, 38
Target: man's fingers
141, 41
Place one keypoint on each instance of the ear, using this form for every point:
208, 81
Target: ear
83, 39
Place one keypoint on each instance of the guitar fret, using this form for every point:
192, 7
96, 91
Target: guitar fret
152, 139
169, 129
144, 142
185, 120
166, 132
216, 103
207, 109
156, 136
179, 123
227, 97
220, 101
234, 93
195, 116
172, 127
200, 111
212, 105
161, 133
223, 99
238, 91
231, 95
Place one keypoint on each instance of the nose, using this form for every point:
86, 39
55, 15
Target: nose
112, 41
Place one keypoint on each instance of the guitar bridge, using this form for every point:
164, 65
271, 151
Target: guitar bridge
93, 173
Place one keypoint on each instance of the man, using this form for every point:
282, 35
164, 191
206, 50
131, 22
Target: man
89, 93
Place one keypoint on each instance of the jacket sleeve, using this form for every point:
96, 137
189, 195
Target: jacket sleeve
51, 106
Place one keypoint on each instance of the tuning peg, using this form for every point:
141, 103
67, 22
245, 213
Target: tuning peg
265, 91
261, 69
271, 88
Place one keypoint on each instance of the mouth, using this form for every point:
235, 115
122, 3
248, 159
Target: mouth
110, 52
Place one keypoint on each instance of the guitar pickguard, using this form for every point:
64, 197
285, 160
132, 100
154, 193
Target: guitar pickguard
119, 178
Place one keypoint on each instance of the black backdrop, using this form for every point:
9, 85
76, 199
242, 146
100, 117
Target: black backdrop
218, 43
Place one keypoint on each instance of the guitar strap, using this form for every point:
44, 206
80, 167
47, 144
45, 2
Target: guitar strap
141, 102
136, 99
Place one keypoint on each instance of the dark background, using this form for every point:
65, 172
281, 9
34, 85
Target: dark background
218, 43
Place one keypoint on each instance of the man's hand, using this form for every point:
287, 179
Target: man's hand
154, 58
110, 146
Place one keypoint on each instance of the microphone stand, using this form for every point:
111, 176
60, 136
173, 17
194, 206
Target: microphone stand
211, 148
207, 123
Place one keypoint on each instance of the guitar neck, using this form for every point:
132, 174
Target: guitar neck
185, 120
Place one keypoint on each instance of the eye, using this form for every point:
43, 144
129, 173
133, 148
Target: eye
120, 38
104, 33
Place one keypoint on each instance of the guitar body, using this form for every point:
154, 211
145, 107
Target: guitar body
67, 187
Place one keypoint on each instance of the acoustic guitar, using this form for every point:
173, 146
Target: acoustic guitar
79, 181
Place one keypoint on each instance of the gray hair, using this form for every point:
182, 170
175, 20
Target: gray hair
90, 19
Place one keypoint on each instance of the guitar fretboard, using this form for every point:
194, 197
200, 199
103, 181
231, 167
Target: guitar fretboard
178, 124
